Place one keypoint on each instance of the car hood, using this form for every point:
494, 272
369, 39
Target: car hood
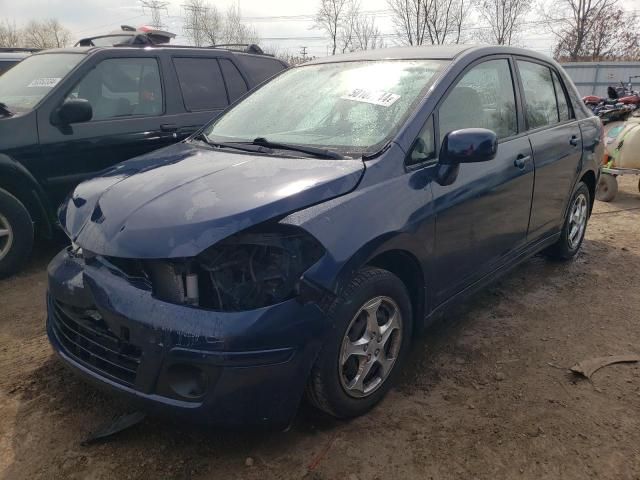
177, 201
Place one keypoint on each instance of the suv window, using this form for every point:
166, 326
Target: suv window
236, 86
539, 94
483, 98
201, 83
563, 105
122, 87
260, 68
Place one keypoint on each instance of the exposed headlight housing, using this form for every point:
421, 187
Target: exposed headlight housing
252, 269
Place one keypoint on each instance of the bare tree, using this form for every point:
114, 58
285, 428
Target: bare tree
503, 19
205, 25
445, 19
572, 22
366, 35
9, 34
624, 45
329, 18
598, 40
234, 30
409, 19
45, 34
429, 21
193, 26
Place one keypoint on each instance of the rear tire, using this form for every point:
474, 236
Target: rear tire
16, 234
575, 225
607, 188
368, 343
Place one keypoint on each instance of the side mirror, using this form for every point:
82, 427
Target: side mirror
469, 145
75, 110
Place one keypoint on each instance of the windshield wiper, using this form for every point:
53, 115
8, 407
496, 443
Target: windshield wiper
4, 110
317, 152
243, 146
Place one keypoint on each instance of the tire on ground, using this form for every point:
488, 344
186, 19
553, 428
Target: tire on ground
325, 389
15, 247
562, 249
607, 188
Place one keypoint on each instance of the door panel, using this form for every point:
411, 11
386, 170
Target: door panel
556, 154
556, 142
483, 216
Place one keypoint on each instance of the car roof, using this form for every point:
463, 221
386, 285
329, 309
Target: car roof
431, 52
13, 55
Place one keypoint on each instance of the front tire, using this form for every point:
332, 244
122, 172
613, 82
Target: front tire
16, 234
575, 225
372, 326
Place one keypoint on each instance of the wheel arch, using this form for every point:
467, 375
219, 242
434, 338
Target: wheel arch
589, 178
18, 181
406, 267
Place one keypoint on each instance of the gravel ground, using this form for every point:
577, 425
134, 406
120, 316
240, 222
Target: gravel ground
486, 393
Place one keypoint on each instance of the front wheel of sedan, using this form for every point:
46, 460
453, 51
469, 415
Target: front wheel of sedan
371, 332
575, 225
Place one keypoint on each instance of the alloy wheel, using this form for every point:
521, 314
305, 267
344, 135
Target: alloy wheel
577, 220
370, 347
6, 236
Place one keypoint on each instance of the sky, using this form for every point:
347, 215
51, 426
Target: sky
285, 24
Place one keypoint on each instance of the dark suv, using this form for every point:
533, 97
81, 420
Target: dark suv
298, 241
67, 114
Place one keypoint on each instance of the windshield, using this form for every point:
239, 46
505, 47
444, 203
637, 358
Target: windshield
352, 107
22, 87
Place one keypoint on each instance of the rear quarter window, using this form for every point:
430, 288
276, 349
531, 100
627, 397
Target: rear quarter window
260, 68
201, 83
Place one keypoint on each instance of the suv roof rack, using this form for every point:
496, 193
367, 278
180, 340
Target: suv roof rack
129, 36
241, 47
18, 50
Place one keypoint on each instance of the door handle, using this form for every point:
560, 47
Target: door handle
574, 140
169, 127
521, 161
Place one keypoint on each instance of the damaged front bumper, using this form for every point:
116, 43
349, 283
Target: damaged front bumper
223, 368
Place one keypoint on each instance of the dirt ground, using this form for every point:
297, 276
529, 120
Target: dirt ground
486, 393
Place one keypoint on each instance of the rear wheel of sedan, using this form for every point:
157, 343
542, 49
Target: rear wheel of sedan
575, 225
364, 352
16, 234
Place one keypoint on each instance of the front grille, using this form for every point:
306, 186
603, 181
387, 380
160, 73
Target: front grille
85, 336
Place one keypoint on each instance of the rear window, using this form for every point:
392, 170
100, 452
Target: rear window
201, 83
260, 68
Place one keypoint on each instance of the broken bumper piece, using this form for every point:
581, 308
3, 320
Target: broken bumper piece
230, 369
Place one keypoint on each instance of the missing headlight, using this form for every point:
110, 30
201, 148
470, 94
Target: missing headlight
255, 268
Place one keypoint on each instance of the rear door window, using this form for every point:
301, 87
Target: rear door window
201, 83
564, 111
236, 86
483, 98
260, 68
122, 87
539, 94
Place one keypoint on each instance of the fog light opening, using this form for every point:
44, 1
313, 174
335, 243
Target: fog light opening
187, 381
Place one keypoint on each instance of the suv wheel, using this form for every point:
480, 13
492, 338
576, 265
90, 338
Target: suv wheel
372, 325
575, 225
16, 234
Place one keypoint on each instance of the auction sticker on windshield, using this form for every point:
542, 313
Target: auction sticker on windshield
375, 97
44, 82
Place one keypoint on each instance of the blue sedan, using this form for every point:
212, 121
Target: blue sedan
294, 246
